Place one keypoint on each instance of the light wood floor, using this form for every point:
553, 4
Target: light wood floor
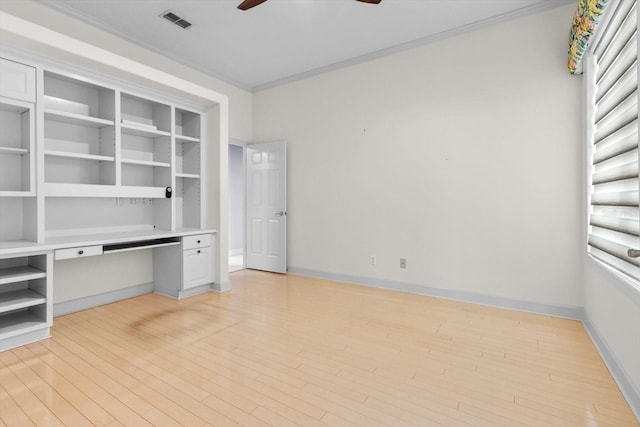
288, 350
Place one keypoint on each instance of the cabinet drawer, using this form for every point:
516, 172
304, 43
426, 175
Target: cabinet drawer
197, 241
79, 252
17, 80
197, 265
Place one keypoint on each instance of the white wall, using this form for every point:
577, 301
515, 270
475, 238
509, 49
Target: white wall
463, 156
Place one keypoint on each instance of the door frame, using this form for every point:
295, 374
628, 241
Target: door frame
243, 144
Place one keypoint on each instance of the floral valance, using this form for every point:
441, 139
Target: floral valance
585, 21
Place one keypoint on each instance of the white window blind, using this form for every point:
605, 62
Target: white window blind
614, 214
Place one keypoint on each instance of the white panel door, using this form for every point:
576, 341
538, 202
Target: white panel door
267, 206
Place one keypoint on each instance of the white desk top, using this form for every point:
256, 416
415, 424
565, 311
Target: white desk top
22, 247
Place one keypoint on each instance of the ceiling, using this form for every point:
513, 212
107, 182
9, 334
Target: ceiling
282, 40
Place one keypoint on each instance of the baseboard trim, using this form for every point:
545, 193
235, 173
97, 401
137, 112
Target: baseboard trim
24, 339
567, 312
630, 391
101, 299
222, 287
236, 252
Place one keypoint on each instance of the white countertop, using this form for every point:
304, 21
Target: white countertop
23, 247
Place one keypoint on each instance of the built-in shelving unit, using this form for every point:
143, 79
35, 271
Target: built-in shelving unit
146, 142
97, 144
25, 299
16, 148
91, 161
101, 142
17, 153
188, 166
79, 131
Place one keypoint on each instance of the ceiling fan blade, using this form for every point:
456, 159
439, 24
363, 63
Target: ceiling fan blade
248, 4
370, 1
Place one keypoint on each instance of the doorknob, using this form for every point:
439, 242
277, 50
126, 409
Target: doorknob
281, 213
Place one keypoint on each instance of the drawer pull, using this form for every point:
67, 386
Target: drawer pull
198, 241
198, 250
80, 252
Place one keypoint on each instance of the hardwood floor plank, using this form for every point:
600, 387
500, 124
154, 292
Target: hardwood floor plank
361, 408
273, 404
28, 402
342, 411
11, 413
80, 401
273, 418
233, 412
125, 406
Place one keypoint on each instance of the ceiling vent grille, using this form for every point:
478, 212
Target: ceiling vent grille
175, 19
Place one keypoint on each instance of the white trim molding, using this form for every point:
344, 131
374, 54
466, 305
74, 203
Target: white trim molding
630, 391
80, 304
567, 312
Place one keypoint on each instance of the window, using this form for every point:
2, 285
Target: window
611, 71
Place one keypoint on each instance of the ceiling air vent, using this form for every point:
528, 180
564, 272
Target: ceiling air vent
172, 17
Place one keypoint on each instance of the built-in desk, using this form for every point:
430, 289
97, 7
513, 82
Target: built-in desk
183, 265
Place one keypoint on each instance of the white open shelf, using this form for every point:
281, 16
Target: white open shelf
22, 298
20, 274
188, 175
142, 130
10, 193
12, 150
20, 323
71, 155
184, 138
25, 297
145, 163
76, 119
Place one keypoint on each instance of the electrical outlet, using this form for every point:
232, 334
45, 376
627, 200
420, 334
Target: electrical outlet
373, 260
403, 263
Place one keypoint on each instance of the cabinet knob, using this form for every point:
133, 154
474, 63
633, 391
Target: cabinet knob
198, 241
198, 250
80, 252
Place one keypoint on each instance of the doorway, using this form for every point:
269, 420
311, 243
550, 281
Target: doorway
237, 210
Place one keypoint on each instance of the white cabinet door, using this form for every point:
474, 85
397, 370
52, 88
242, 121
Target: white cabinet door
197, 267
17, 80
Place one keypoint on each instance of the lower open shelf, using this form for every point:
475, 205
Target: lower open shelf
22, 298
21, 322
19, 274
